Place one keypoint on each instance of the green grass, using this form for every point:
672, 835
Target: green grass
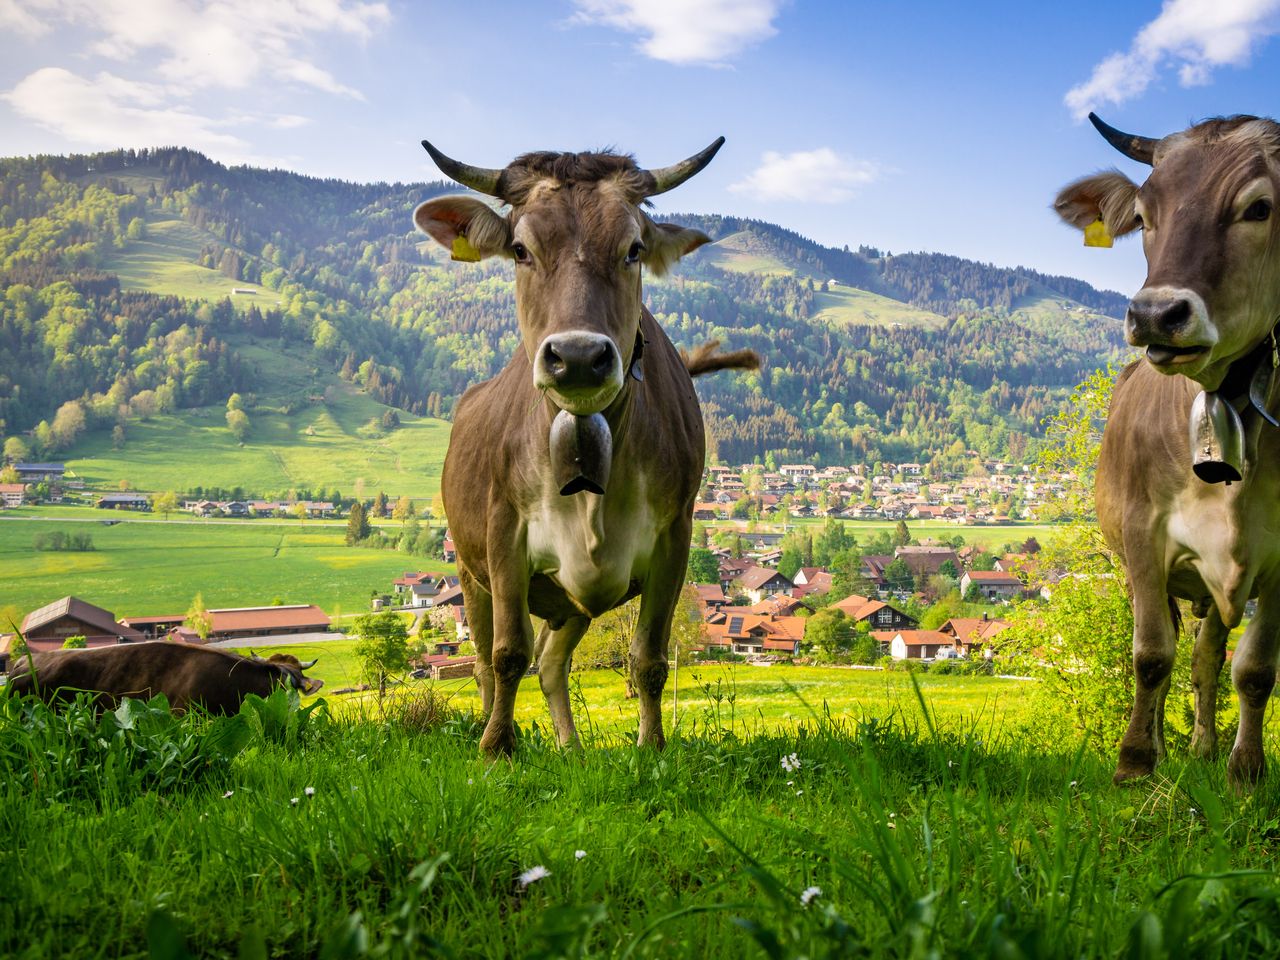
164, 262
153, 568
316, 445
843, 306
925, 840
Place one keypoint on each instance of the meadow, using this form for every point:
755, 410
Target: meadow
310, 433
150, 568
885, 831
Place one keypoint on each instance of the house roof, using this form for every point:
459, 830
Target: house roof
757, 577
102, 620
973, 629
919, 638
710, 593
12, 488
994, 577
254, 618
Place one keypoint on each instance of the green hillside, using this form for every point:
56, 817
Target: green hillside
121, 340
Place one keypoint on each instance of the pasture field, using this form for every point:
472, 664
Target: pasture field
153, 568
308, 434
880, 836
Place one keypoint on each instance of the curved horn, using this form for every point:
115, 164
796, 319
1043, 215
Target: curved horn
668, 178
253, 655
1137, 148
309, 664
480, 179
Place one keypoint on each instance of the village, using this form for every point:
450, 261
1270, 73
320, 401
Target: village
748, 610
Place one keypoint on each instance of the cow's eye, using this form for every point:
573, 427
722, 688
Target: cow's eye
1258, 210
521, 253
633, 255
1139, 222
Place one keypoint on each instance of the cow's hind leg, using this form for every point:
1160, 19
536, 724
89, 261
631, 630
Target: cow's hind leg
648, 657
1207, 657
554, 651
1154, 646
479, 608
1253, 670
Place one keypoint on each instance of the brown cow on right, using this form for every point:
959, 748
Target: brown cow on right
1188, 486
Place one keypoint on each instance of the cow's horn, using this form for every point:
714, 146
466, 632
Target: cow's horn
1142, 149
254, 655
309, 664
668, 178
480, 179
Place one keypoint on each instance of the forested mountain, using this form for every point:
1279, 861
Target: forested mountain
133, 280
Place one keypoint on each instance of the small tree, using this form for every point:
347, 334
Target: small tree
898, 576
382, 647
238, 423
165, 503
78, 642
830, 630
703, 566
198, 618
403, 509
357, 525
380, 505
901, 535
299, 510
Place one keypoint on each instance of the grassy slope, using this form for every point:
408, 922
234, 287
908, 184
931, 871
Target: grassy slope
179, 451
163, 262
963, 843
156, 568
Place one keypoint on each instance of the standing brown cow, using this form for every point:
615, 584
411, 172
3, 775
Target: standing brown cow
571, 476
1188, 488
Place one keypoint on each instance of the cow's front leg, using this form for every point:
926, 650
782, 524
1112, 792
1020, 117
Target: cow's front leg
555, 650
1207, 657
648, 659
1154, 646
512, 637
1253, 670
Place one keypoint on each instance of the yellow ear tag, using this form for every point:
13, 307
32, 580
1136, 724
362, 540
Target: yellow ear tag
1096, 235
464, 251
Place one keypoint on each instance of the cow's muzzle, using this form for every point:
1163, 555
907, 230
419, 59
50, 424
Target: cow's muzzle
1173, 324
581, 371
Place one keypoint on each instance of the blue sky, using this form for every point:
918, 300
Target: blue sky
913, 126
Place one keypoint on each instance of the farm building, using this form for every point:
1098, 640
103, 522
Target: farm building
877, 613
752, 635
242, 623
992, 584
974, 635
12, 494
920, 644
123, 501
759, 582
37, 472
49, 626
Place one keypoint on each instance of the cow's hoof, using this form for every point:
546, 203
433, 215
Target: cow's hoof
498, 740
1135, 763
1245, 769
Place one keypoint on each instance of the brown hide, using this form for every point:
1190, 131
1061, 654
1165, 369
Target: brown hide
216, 679
578, 235
1205, 316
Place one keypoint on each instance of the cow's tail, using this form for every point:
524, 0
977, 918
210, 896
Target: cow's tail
706, 359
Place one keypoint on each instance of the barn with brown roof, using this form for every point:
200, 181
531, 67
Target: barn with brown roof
243, 623
48, 627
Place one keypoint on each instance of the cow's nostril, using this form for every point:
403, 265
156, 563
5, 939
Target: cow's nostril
1176, 314
603, 362
553, 360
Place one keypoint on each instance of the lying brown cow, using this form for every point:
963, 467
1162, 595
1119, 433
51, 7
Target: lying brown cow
216, 679
571, 476
1188, 488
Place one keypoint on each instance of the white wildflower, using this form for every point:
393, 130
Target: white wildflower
891, 825
533, 875
798, 792
293, 801
579, 854
809, 894
470, 781
309, 791
228, 795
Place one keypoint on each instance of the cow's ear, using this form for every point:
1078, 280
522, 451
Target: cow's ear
1109, 195
665, 243
466, 227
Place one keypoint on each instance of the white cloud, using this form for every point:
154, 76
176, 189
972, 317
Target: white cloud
103, 111
229, 44
1195, 35
708, 32
14, 17
808, 176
